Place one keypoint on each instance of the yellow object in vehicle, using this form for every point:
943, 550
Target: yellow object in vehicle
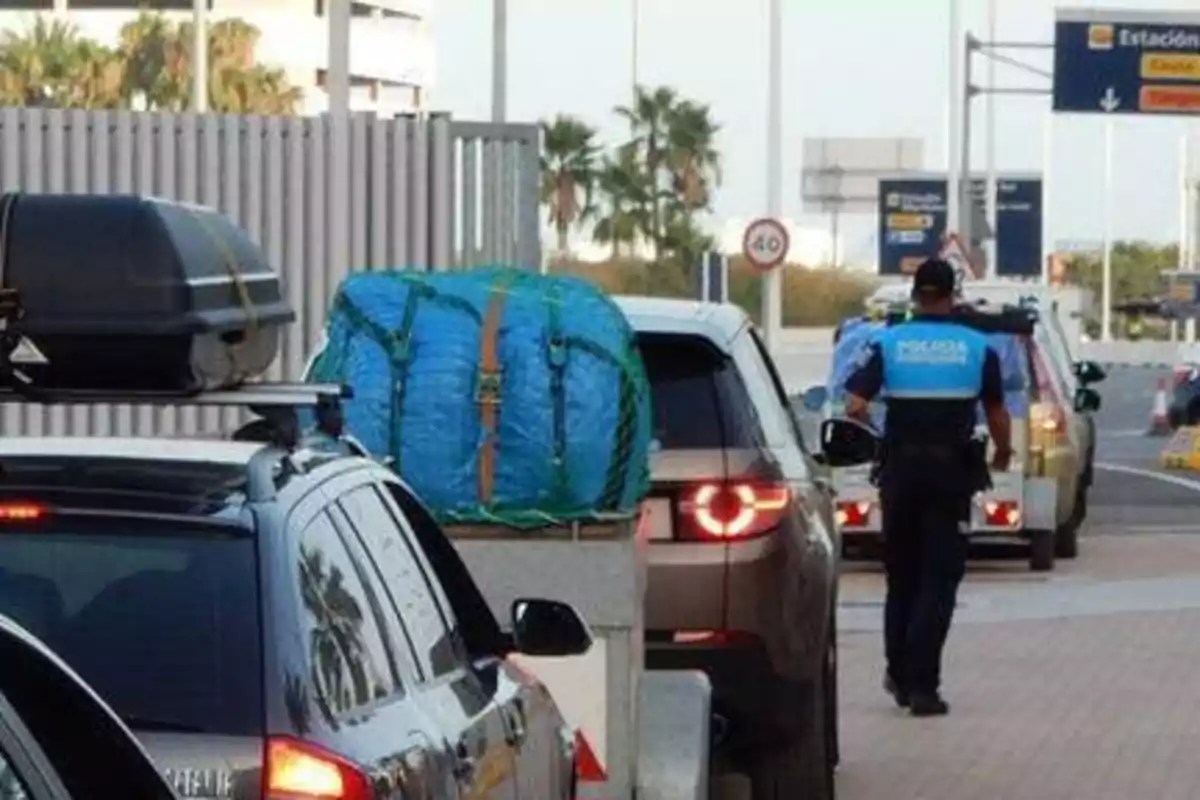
1183, 450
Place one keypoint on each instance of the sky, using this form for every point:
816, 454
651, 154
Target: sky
851, 68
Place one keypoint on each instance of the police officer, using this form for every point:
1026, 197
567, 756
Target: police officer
930, 372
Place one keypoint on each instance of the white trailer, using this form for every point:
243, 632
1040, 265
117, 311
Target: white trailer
649, 730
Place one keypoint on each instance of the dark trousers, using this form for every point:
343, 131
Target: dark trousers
925, 557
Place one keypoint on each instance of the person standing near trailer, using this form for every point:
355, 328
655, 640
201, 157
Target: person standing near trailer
931, 372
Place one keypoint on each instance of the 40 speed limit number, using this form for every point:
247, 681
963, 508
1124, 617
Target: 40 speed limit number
765, 243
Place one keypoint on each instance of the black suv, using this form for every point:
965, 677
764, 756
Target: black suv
278, 621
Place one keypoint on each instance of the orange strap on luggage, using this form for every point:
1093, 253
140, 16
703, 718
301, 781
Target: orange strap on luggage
487, 392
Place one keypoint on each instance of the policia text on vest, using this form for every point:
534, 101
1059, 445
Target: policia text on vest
930, 372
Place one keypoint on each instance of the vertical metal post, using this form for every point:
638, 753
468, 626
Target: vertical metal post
991, 196
835, 225
953, 122
1048, 245
499, 60
1186, 234
199, 56
635, 23
1106, 271
337, 68
966, 188
772, 311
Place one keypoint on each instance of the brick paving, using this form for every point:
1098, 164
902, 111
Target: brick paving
1089, 707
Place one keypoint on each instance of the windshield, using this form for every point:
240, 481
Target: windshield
859, 334
161, 620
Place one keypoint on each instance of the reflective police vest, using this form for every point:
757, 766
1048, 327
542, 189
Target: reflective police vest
932, 361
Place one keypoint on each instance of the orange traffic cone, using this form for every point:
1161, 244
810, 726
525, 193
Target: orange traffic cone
1160, 424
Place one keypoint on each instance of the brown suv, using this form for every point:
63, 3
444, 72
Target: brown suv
743, 552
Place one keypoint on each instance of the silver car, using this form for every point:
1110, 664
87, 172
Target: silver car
743, 557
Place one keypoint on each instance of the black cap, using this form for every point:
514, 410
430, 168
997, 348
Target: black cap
935, 278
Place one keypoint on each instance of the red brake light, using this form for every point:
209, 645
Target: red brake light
1002, 513
732, 511
853, 514
1047, 415
296, 770
20, 512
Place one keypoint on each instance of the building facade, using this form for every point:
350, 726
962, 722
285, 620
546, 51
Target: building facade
391, 41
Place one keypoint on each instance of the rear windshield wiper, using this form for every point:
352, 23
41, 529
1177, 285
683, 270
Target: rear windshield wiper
163, 725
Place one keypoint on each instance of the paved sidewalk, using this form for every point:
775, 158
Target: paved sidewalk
1090, 705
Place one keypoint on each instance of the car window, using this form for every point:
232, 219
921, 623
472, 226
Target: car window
1064, 382
348, 657
772, 412
408, 587
161, 620
697, 397
768, 365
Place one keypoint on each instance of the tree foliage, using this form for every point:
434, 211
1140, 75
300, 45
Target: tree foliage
52, 65
651, 188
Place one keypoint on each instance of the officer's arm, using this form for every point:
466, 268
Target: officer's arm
863, 384
991, 394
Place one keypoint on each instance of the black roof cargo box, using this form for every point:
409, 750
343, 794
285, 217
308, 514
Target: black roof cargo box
137, 293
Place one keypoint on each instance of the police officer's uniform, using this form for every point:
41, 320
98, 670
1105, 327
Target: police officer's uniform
931, 373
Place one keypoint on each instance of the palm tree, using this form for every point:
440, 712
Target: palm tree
568, 167
649, 118
691, 156
51, 65
622, 182
158, 59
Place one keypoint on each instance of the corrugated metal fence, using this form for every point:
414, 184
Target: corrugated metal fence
322, 195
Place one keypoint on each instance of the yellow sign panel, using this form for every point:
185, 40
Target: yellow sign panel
1183, 291
909, 222
1100, 37
1171, 66
909, 264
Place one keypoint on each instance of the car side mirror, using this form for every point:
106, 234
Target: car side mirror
1089, 372
1087, 400
814, 398
848, 442
548, 628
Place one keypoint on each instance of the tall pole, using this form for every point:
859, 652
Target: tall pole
1106, 279
991, 198
953, 120
499, 60
1186, 242
1048, 245
635, 24
772, 311
337, 72
966, 187
200, 56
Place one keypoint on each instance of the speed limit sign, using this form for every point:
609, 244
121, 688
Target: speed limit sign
765, 243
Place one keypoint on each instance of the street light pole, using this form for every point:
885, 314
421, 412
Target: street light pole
635, 15
337, 72
499, 60
954, 126
1106, 285
990, 198
772, 310
200, 56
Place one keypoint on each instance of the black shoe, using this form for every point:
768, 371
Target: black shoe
926, 704
898, 694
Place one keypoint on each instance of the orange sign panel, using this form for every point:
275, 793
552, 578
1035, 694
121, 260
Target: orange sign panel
1100, 37
1170, 99
909, 264
1171, 66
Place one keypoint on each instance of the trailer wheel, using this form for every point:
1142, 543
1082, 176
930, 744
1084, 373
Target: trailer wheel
1041, 551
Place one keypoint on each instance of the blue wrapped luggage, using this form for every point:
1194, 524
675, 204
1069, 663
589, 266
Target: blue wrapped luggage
501, 395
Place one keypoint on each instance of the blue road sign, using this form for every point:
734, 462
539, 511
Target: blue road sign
1108, 61
912, 220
